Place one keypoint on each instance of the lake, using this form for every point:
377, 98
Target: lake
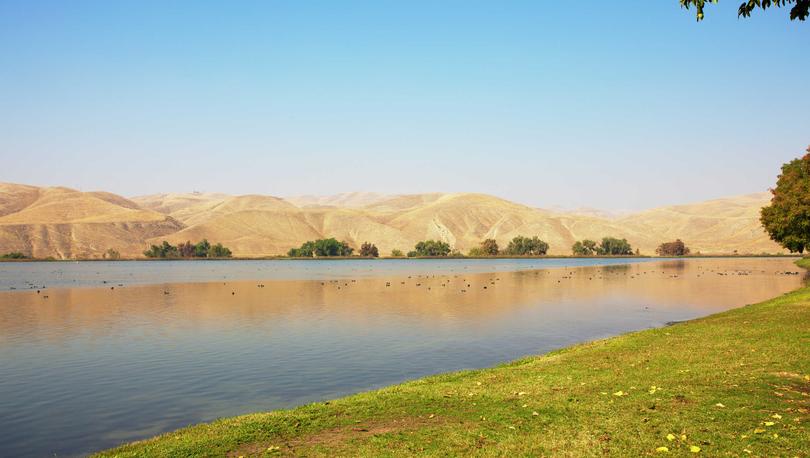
108, 352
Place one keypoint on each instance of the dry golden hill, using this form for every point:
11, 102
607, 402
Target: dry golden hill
342, 200
65, 223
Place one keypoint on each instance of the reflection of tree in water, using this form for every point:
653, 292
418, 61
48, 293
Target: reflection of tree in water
678, 265
616, 269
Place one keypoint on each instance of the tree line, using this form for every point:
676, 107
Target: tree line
518, 246
201, 249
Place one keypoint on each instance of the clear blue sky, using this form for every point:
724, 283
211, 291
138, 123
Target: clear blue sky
616, 105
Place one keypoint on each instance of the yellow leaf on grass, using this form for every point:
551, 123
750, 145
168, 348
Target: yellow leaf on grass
662, 450
776, 415
670, 437
620, 393
769, 423
683, 437
719, 404
694, 449
759, 431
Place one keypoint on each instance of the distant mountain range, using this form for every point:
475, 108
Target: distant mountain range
65, 223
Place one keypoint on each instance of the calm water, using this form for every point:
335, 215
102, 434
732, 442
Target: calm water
36, 275
88, 368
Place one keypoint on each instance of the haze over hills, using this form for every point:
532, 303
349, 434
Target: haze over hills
66, 223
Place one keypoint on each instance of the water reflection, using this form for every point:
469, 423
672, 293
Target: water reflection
88, 368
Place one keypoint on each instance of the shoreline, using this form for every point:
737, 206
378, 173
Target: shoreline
390, 258
735, 382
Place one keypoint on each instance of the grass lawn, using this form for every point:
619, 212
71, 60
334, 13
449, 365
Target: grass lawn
732, 384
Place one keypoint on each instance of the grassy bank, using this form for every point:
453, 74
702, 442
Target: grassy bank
735, 384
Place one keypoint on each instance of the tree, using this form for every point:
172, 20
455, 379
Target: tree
787, 218
525, 246
219, 251
676, 248
396, 253
430, 248
202, 248
800, 9
321, 247
584, 248
489, 247
369, 250
611, 246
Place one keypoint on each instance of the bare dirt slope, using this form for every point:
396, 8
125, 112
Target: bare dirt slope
65, 223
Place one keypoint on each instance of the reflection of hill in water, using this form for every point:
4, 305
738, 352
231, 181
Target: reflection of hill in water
457, 300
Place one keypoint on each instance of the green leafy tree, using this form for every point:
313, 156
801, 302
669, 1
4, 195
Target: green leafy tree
676, 248
219, 251
800, 9
430, 248
525, 246
396, 253
201, 249
369, 250
322, 248
787, 218
584, 248
611, 246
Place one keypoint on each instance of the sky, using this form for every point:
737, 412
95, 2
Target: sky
610, 105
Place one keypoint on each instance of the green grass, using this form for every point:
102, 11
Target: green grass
732, 384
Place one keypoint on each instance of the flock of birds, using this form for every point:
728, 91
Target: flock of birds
464, 285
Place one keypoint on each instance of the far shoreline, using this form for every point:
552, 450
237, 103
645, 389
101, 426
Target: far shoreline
389, 258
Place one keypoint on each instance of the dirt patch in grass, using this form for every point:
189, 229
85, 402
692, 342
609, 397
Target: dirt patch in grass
334, 437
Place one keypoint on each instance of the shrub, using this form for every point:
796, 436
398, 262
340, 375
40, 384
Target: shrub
112, 254
676, 248
369, 250
14, 255
396, 253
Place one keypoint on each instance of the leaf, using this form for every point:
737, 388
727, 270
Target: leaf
769, 423
720, 404
694, 449
620, 393
662, 450
670, 437
777, 416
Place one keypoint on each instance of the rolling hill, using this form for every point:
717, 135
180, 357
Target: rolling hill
66, 223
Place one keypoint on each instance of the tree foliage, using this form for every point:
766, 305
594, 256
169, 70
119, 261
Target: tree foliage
584, 248
799, 10
202, 249
430, 248
525, 246
787, 218
676, 248
14, 255
369, 250
488, 247
611, 246
396, 253
322, 248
